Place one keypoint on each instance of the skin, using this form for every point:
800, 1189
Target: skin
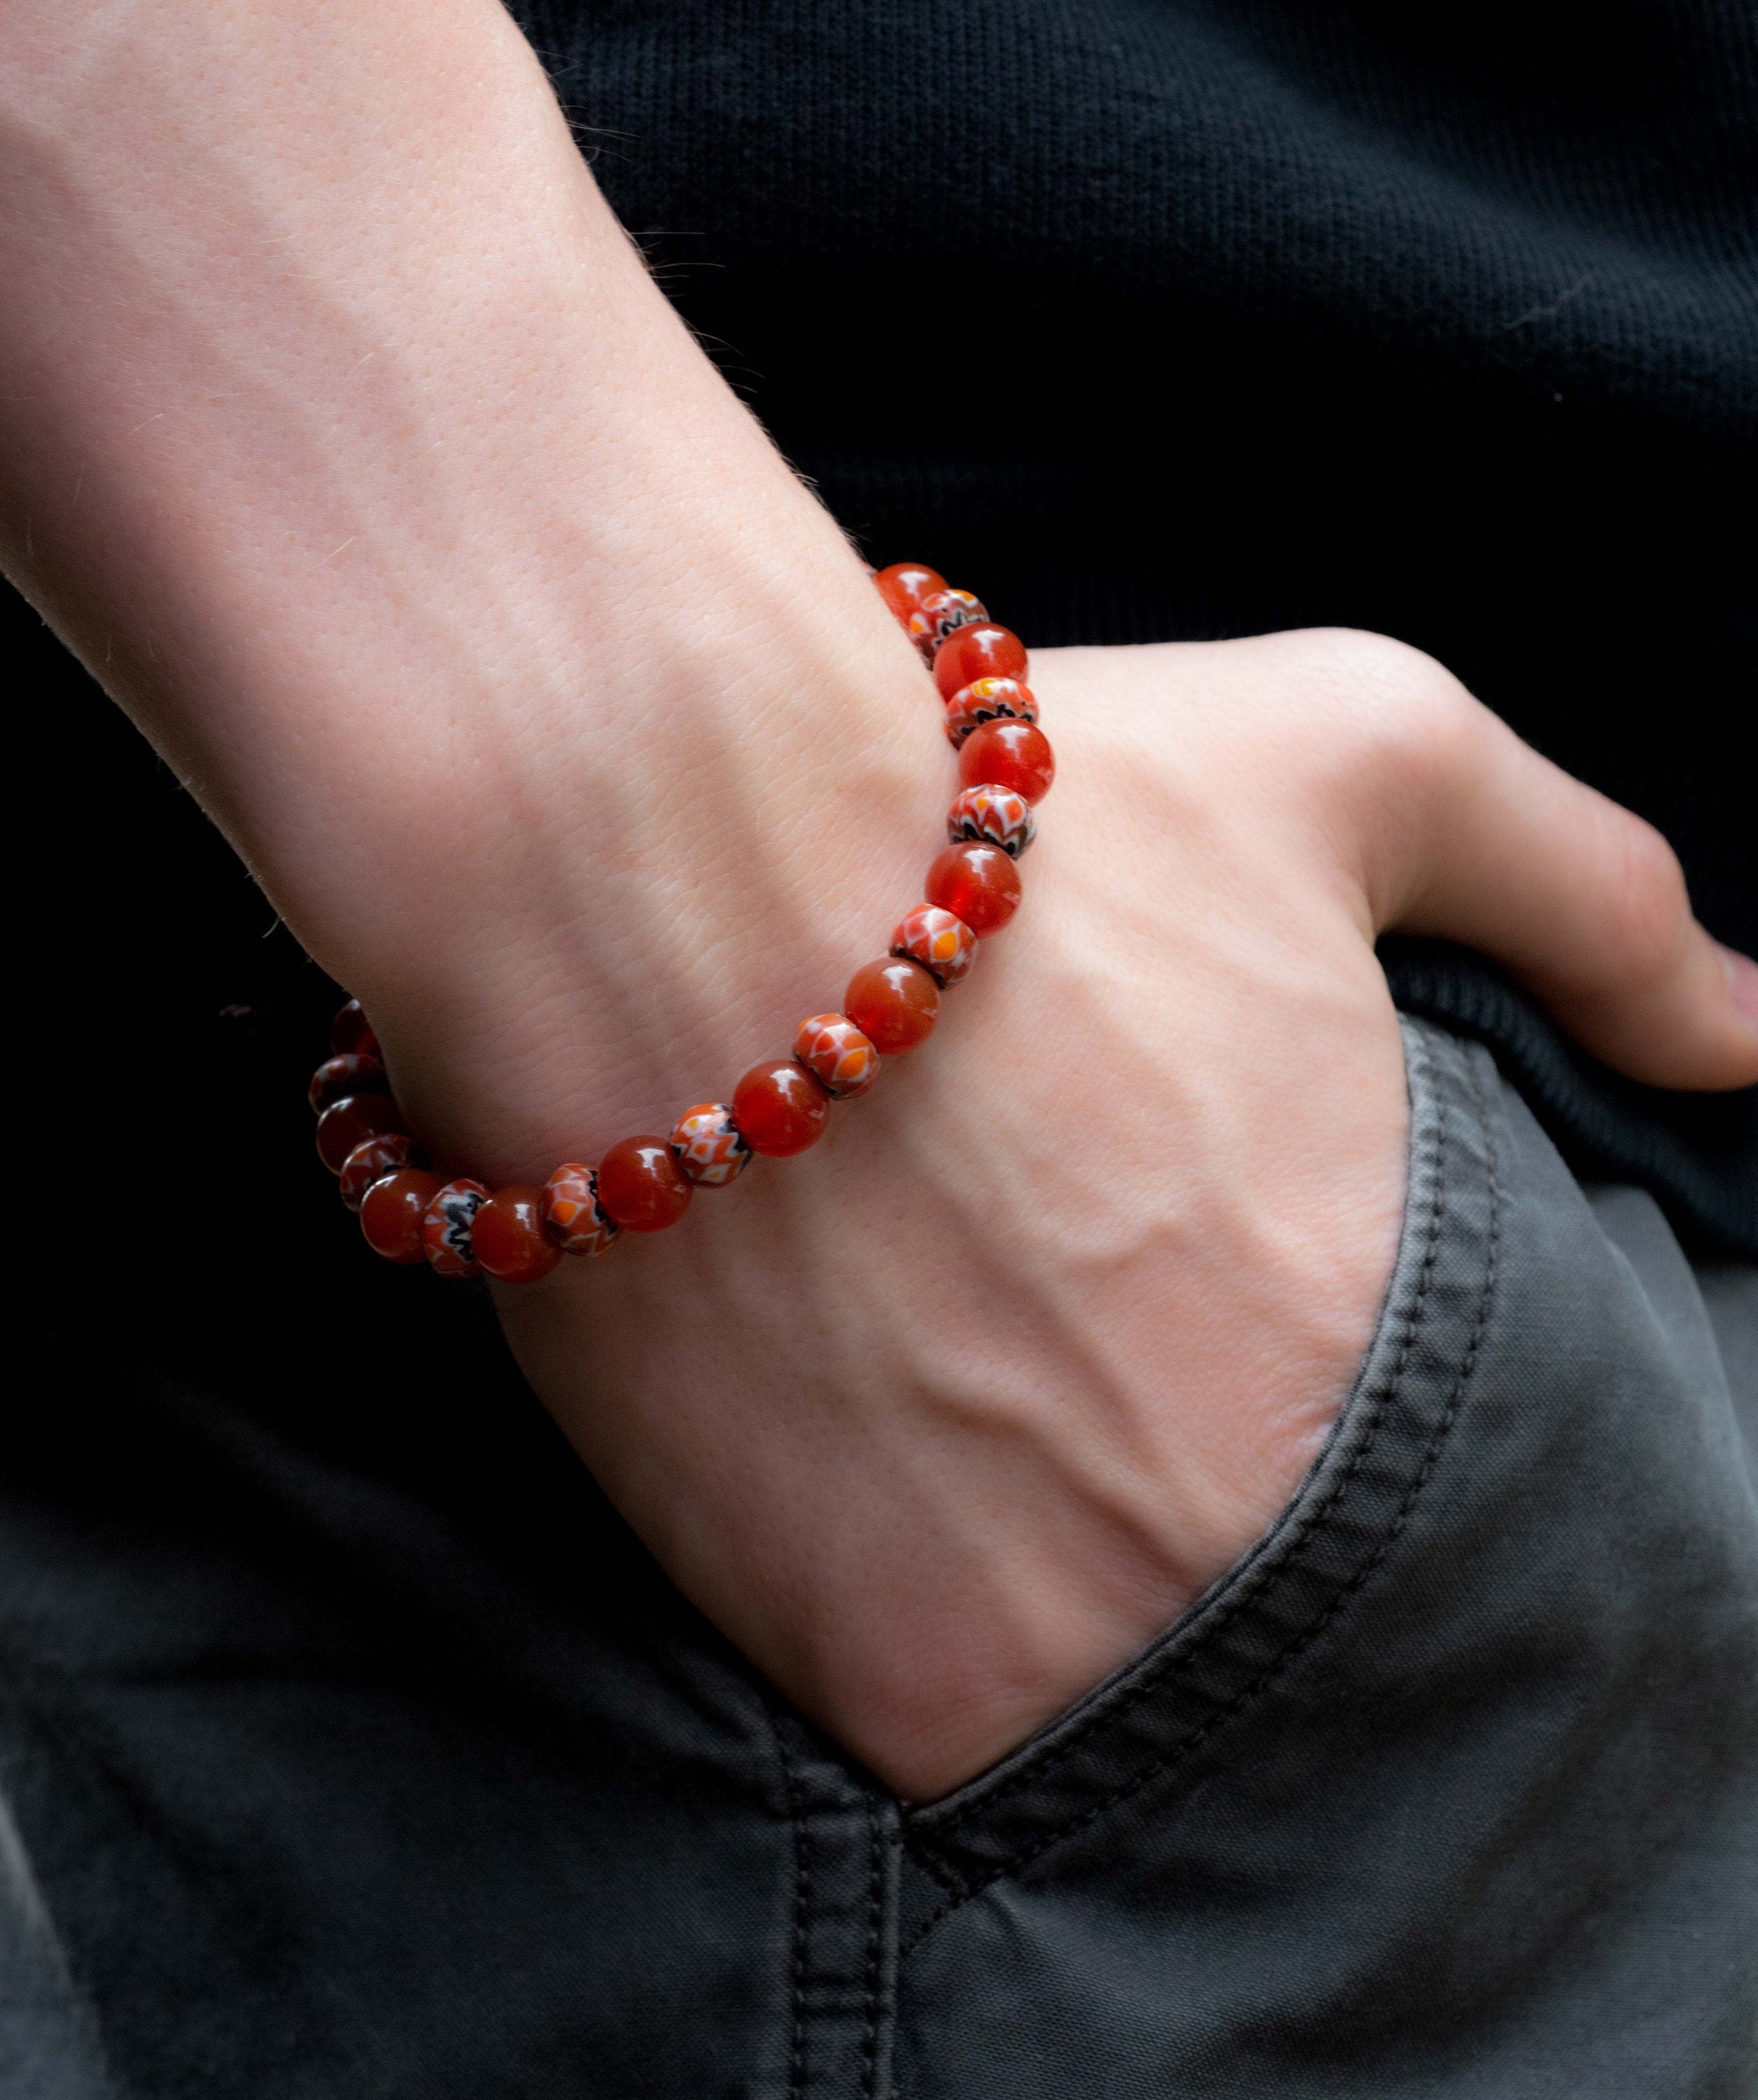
345, 438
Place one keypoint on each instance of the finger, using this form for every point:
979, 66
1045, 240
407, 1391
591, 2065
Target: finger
1584, 902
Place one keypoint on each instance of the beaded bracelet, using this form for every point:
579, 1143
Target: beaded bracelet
780, 1107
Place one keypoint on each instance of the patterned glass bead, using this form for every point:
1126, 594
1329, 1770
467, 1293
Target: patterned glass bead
942, 613
350, 1033
392, 1213
373, 1160
641, 1185
894, 1003
349, 1122
710, 1146
506, 1236
980, 883
999, 816
987, 699
838, 1056
982, 651
447, 1227
781, 1108
351, 1073
573, 1216
1009, 754
905, 584
933, 937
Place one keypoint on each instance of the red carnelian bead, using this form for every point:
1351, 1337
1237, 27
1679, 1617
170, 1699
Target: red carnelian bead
448, 1225
710, 1146
980, 884
938, 940
351, 1121
573, 1216
837, 1055
506, 1236
373, 1160
642, 1186
351, 1073
350, 1033
1008, 754
392, 1213
894, 1003
905, 584
984, 651
781, 1108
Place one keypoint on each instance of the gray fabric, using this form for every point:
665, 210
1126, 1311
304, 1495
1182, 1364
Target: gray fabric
1449, 1790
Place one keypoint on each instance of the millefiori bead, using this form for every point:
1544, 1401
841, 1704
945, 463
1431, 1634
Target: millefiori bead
710, 1147
1009, 754
905, 584
936, 939
838, 1056
989, 700
642, 1186
350, 1074
980, 883
983, 650
349, 1122
942, 613
1001, 816
351, 1033
781, 1108
506, 1236
572, 1214
447, 1227
372, 1160
392, 1213
894, 1003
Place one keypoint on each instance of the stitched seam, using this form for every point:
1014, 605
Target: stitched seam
1431, 1459
875, 1944
1227, 1609
796, 2047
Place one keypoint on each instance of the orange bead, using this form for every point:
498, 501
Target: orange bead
894, 1003
986, 700
710, 1146
938, 940
940, 614
642, 1186
449, 1227
350, 1033
780, 1107
905, 584
391, 1213
372, 1160
992, 813
349, 1122
573, 1216
838, 1056
981, 884
983, 650
351, 1073
1009, 754
506, 1236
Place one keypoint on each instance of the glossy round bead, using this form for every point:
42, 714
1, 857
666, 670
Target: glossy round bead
506, 1236
905, 584
980, 883
997, 815
982, 651
642, 1186
837, 1055
392, 1213
448, 1225
781, 1108
942, 613
710, 1146
351, 1073
1009, 754
894, 1003
373, 1160
573, 1216
350, 1033
349, 1122
989, 700
938, 940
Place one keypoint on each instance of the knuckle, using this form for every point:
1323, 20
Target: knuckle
1649, 906
1400, 719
